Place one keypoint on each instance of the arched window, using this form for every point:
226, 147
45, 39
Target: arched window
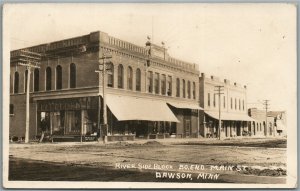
194, 90
156, 83
36, 83
189, 89
72, 75
48, 78
58, 77
138, 80
169, 86
150, 81
120, 76
16, 82
183, 88
26, 78
129, 78
177, 87
110, 75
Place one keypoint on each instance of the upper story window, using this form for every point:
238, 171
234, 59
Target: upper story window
163, 84
177, 87
150, 81
208, 99
156, 83
183, 88
194, 90
243, 105
235, 104
224, 102
231, 103
214, 101
189, 89
120, 76
48, 78
138, 80
129, 78
239, 104
11, 109
110, 74
58, 77
169, 86
26, 78
72, 75
16, 82
36, 79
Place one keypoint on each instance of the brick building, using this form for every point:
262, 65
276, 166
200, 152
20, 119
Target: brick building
234, 118
149, 93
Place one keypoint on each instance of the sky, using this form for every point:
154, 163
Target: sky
251, 44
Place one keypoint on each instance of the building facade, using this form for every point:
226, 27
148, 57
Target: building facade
148, 93
233, 108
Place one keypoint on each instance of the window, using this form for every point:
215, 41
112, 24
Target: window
183, 88
36, 80
239, 104
120, 76
138, 80
177, 87
26, 78
231, 103
169, 86
129, 78
189, 89
224, 101
163, 84
150, 81
72, 75
194, 90
110, 74
214, 102
16, 82
235, 103
48, 78
243, 105
208, 99
58, 77
156, 83
11, 109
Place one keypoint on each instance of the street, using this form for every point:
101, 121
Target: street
170, 160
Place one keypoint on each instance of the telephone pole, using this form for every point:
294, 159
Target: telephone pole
219, 90
266, 107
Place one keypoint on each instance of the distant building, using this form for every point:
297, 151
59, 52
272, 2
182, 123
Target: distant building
280, 122
234, 117
149, 93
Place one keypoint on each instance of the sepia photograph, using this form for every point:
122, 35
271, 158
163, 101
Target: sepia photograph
149, 95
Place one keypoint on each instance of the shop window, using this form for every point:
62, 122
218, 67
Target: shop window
183, 88
58, 77
194, 90
110, 74
189, 89
11, 109
163, 84
36, 80
120, 76
129, 78
72, 75
48, 79
156, 83
177, 87
26, 78
138, 80
169, 87
150, 81
208, 99
16, 82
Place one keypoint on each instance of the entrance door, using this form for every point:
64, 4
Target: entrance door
238, 128
187, 127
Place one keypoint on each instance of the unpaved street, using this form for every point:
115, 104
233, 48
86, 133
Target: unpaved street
193, 160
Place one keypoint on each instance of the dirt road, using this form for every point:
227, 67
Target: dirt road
252, 161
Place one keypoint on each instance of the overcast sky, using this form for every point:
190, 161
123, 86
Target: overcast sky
251, 44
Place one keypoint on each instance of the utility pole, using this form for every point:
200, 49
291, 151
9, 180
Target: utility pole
219, 90
103, 70
266, 107
148, 45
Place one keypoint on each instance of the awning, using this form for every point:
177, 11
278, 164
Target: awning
133, 108
229, 116
185, 105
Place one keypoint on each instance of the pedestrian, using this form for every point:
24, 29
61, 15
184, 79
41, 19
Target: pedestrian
43, 128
